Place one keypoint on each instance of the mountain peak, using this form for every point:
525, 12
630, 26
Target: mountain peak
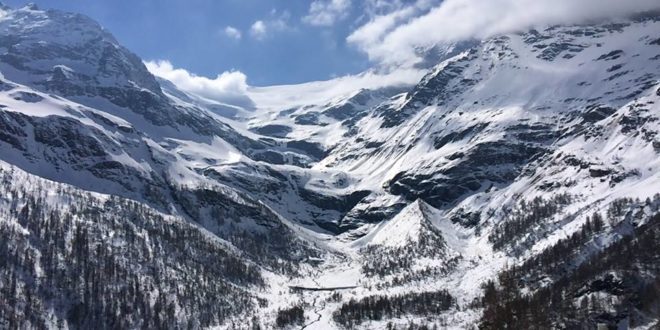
40, 42
407, 226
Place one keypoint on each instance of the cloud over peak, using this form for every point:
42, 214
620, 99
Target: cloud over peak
392, 38
229, 87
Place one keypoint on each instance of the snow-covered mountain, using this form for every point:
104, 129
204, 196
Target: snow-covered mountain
332, 205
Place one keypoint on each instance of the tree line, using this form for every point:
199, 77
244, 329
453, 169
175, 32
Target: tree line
70, 259
380, 307
619, 283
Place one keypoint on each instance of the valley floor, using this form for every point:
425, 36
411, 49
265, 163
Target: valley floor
340, 278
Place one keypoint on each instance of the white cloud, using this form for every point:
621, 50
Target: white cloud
382, 7
232, 88
233, 32
372, 33
327, 12
392, 38
229, 87
258, 30
277, 22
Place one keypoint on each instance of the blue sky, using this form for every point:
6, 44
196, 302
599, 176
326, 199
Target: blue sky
192, 34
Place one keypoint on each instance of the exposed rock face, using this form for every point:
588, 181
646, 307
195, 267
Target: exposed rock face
493, 163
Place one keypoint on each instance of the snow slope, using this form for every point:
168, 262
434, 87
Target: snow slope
379, 184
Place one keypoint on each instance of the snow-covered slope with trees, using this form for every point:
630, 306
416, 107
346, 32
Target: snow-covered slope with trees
329, 204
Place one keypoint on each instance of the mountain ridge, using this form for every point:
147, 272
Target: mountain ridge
503, 152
